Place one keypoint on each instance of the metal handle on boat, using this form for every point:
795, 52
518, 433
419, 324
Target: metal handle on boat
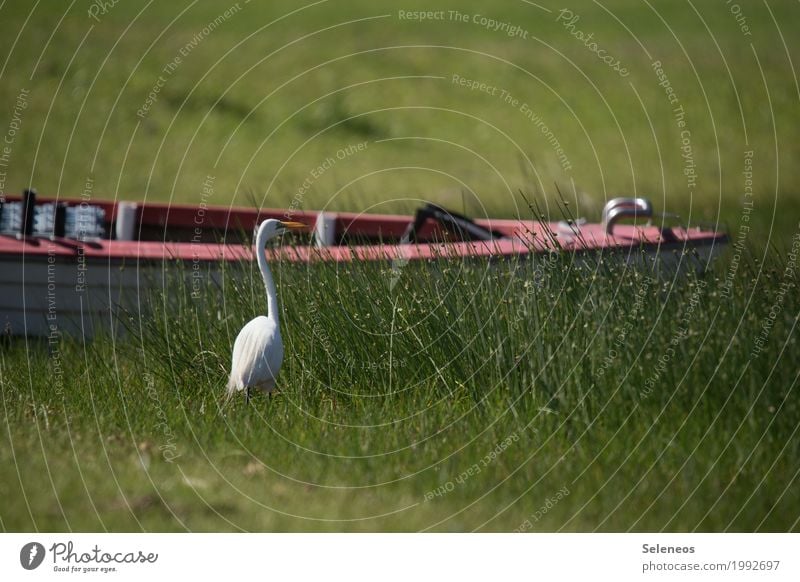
625, 208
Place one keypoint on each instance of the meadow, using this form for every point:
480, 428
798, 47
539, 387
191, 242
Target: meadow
550, 396
263, 96
465, 398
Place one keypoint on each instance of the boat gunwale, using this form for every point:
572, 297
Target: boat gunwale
523, 237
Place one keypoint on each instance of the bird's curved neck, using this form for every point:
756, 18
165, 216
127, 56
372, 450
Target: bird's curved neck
266, 274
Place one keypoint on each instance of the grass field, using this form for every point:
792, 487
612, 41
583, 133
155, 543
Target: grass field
268, 93
540, 397
466, 399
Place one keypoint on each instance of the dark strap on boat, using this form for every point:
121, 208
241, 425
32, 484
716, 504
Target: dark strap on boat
28, 208
60, 220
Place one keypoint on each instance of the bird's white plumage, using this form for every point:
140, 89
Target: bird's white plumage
258, 349
257, 356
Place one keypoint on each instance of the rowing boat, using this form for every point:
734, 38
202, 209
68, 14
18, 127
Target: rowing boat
67, 265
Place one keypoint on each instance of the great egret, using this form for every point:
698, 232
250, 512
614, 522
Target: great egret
258, 349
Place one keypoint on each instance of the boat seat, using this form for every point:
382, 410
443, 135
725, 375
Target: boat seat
464, 227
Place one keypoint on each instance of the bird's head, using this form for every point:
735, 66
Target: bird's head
272, 227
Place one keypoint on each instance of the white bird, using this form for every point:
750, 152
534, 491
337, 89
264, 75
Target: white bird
258, 349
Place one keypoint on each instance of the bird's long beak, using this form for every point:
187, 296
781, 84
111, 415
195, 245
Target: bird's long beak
293, 225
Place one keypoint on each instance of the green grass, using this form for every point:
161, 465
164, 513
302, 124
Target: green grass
276, 89
644, 399
382, 402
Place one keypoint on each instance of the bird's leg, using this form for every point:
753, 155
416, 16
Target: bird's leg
247, 395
